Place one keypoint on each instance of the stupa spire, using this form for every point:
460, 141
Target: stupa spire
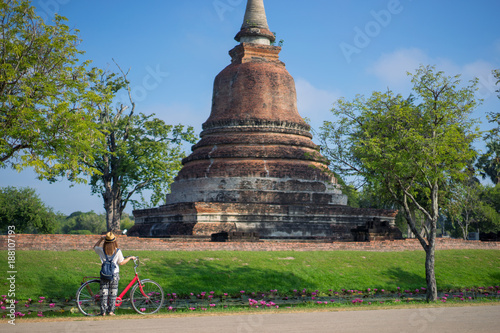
255, 29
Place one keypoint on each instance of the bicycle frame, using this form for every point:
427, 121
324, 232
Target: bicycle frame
119, 298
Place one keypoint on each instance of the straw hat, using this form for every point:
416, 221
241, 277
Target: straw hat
110, 237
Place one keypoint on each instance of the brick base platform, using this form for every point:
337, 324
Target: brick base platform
85, 242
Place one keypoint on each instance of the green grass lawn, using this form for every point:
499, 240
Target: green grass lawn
59, 274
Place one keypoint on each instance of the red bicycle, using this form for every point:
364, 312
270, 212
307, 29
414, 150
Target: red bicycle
146, 295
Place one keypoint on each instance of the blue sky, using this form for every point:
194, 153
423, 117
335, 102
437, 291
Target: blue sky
333, 49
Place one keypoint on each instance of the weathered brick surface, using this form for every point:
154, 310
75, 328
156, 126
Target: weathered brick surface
85, 242
255, 168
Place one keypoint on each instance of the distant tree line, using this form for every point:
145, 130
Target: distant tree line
23, 208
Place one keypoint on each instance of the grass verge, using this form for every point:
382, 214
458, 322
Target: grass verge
290, 279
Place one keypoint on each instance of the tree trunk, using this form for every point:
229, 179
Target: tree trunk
428, 243
430, 276
112, 205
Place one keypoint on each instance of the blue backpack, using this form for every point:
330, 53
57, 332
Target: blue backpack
108, 267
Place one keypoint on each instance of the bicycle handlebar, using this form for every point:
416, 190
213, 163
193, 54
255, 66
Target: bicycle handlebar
136, 260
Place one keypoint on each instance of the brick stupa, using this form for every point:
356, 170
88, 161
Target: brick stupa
255, 168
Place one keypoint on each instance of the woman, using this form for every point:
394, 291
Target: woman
109, 289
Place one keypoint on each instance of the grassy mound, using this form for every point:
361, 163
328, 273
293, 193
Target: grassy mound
59, 274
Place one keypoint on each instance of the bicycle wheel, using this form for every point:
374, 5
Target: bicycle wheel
88, 298
149, 300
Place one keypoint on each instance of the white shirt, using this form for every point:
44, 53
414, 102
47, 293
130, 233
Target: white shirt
117, 259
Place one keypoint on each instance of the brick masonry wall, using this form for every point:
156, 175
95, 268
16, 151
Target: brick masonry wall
85, 242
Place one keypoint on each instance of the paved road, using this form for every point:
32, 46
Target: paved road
457, 320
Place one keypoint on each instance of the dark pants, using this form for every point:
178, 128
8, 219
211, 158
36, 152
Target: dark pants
109, 291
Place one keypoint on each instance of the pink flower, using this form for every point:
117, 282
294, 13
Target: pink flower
40, 314
52, 305
41, 297
143, 309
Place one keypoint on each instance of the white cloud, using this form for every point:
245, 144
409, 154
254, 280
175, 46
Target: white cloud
391, 70
314, 103
482, 70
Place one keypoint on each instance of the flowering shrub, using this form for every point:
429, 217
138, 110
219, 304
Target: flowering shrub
208, 301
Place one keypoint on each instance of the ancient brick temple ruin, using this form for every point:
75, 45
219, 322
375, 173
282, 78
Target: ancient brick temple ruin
256, 168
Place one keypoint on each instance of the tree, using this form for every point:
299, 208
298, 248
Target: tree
24, 209
464, 206
409, 147
43, 119
141, 152
79, 222
489, 162
489, 205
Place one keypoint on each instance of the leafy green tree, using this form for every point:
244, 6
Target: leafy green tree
142, 153
79, 221
489, 162
409, 147
464, 206
24, 209
44, 122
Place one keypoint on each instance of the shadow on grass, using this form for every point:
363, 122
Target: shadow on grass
58, 288
221, 278
406, 279
495, 277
